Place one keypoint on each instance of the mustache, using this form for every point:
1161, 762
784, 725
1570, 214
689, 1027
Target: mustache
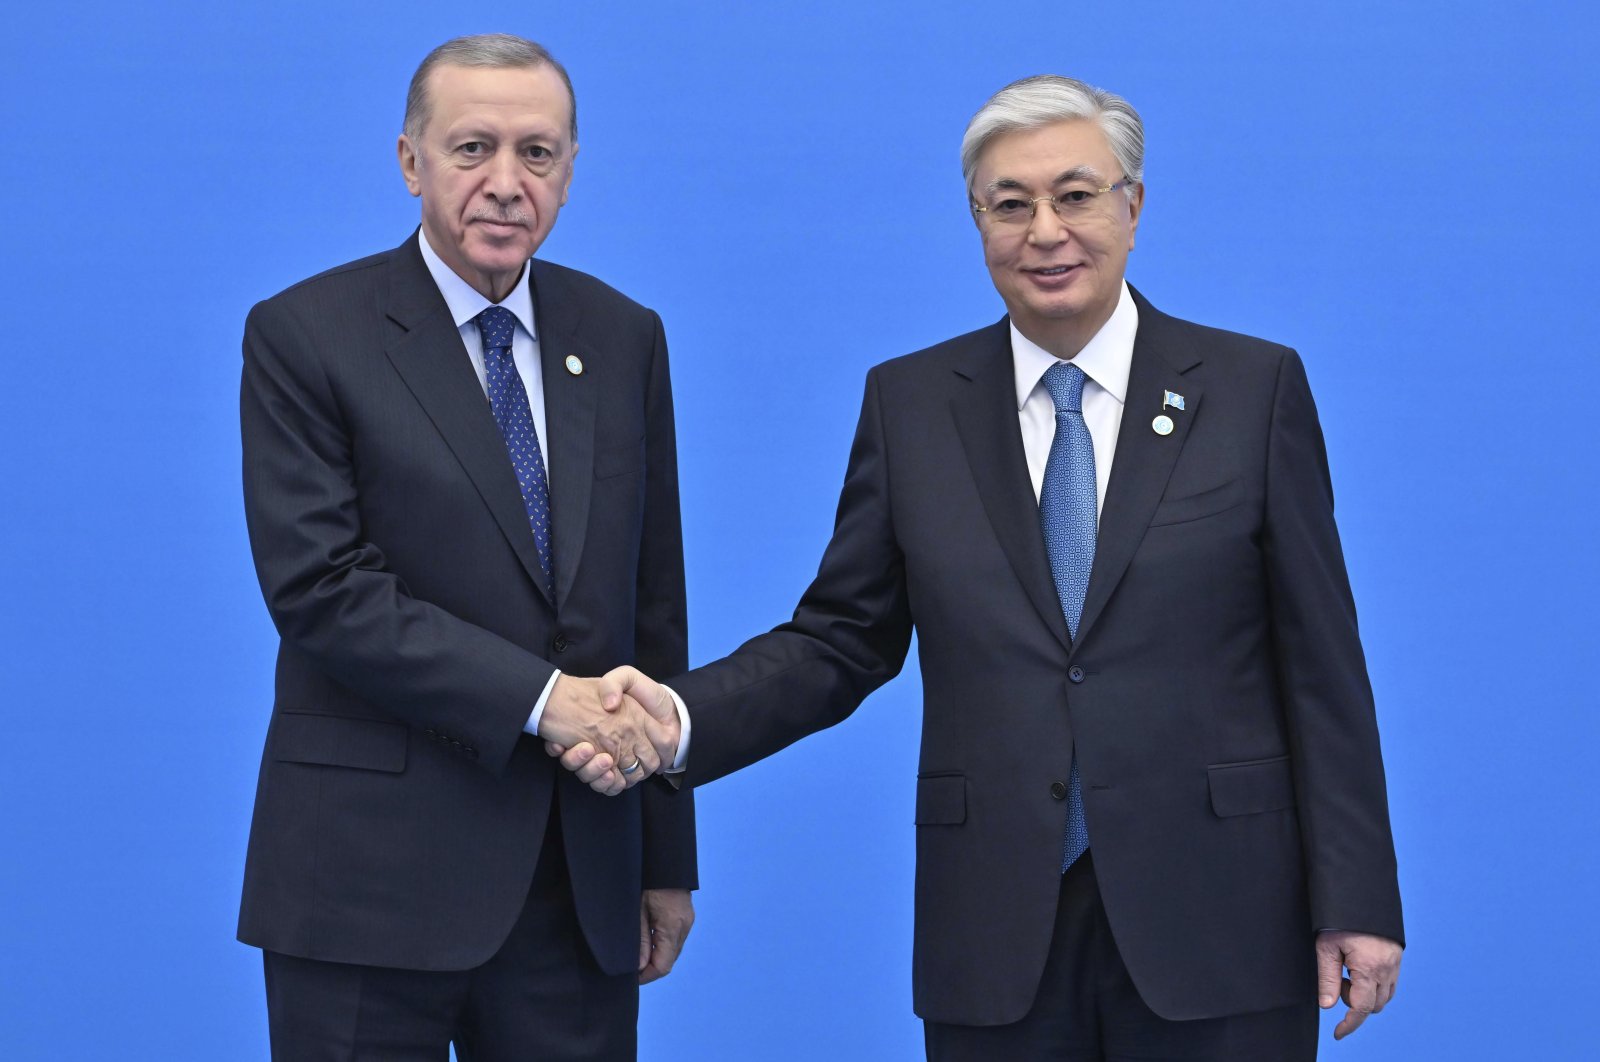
504, 215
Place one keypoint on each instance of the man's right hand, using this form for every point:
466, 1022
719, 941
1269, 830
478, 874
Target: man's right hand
623, 691
615, 731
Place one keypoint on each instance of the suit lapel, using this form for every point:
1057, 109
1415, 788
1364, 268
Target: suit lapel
986, 419
1144, 459
569, 412
427, 352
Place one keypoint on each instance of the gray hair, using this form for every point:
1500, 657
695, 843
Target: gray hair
1047, 98
498, 50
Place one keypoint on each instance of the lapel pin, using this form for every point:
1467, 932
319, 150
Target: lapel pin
1162, 425
1170, 399
574, 365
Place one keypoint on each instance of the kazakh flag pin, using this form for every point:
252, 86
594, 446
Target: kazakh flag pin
1172, 400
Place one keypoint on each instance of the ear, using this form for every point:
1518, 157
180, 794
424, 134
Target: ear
1135, 207
409, 164
566, 185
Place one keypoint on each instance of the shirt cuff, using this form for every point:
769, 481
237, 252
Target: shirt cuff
680, 761
532, 726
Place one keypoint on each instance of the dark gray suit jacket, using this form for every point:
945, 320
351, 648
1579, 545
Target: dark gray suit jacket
1216, 693
400, 807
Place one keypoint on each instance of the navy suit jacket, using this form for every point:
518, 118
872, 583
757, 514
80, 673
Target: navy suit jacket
400, 808
1216, 694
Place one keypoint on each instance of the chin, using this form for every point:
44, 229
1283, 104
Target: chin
1058, 311
501, 260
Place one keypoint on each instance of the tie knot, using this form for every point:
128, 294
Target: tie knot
1064, 381
497, 324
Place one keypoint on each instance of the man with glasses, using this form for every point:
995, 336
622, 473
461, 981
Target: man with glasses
1151, 817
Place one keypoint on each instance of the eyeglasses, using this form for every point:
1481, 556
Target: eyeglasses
1073, 204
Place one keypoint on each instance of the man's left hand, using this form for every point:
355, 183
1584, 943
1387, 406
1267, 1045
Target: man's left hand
1374, 966
665, 917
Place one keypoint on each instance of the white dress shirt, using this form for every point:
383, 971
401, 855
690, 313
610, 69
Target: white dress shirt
466, 303
1105, 360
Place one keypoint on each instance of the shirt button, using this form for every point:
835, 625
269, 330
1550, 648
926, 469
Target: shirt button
1058, 790
1075, 673
560, 644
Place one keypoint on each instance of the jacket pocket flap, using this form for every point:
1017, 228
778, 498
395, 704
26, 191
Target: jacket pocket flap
1198, 506
1251, 787
339, 741
619, 460
941, 799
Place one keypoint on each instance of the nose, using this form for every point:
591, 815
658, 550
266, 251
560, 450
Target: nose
501, 178
1045, 228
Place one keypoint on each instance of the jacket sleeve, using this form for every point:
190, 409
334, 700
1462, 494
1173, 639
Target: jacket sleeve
661, 637
328, 589
1322, 671
849, 635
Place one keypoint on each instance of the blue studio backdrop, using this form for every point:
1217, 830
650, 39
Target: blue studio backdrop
1402, 191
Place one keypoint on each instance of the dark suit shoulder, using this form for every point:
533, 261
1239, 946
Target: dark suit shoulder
586, 286
958, 353
342, 300
328, 318
1237, 343
362, 274
1218, 347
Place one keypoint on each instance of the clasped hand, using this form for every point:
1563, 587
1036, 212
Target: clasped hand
612, 732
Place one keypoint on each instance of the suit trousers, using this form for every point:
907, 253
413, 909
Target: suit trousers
1088, 1009
541, 996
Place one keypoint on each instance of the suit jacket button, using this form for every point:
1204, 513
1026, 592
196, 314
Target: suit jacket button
1058, 790
1075, 673
560, 644
432, 733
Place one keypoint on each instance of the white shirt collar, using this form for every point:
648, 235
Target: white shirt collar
467, 302
1105, 359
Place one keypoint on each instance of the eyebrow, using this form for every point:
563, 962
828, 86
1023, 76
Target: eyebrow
1075, 173
482, 132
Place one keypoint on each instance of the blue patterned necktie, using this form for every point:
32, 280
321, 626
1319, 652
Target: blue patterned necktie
1067, 512
509, 400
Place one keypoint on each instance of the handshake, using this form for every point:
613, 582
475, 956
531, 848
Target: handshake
612, 732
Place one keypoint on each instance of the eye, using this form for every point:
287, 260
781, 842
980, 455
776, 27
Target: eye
1006, 208
472, 149
1075, 197
539, 158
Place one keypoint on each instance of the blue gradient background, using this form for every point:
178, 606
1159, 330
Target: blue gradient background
1403, 192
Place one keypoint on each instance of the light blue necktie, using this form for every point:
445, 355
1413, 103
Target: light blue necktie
509, 400
1067, 512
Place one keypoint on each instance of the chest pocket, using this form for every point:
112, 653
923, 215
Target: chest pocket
619, 460
1199, 506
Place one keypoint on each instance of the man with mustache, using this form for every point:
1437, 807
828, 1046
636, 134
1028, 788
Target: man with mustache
461, 487
1151, 818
